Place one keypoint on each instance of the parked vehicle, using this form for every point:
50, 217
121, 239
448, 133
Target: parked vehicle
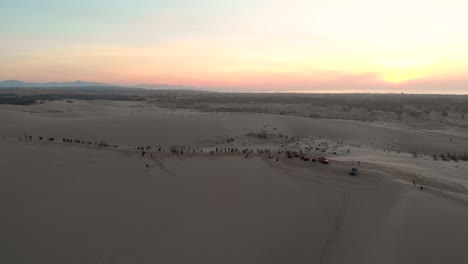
323, 160
354, 172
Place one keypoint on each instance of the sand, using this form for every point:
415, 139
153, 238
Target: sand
139, 123
74, 203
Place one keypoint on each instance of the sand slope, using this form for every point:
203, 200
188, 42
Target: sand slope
79, 205
137, 123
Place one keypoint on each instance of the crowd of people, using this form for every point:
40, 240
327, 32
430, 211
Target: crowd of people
28, 137
146, 150
150, 151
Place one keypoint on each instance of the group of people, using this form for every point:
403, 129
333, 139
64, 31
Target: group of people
101, 143
147, 150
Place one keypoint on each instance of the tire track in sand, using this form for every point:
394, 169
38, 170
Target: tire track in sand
161, 166
326, 251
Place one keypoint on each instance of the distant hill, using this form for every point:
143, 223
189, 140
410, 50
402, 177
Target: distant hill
20, 84
94, 85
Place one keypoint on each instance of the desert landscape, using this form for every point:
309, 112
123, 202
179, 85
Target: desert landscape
105, 175
233, 132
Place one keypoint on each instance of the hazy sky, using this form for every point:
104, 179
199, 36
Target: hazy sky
249, 45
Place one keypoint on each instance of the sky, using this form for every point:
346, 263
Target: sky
418, 46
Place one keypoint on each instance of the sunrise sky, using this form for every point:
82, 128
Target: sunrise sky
243, 45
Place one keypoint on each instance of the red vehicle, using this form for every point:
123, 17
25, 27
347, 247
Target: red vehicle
323, 160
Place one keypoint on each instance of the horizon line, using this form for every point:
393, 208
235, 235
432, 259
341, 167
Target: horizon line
226, 89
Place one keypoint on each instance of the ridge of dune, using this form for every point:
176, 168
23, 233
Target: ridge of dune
221, 189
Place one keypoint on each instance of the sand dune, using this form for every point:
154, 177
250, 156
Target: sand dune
75, 203
144, 124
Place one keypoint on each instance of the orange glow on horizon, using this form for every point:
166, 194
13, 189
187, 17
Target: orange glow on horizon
215, 66
256, 45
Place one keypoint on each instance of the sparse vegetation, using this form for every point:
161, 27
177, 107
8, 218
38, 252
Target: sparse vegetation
364, 107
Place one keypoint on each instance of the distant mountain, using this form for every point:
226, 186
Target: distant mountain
20, 84
101, 86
